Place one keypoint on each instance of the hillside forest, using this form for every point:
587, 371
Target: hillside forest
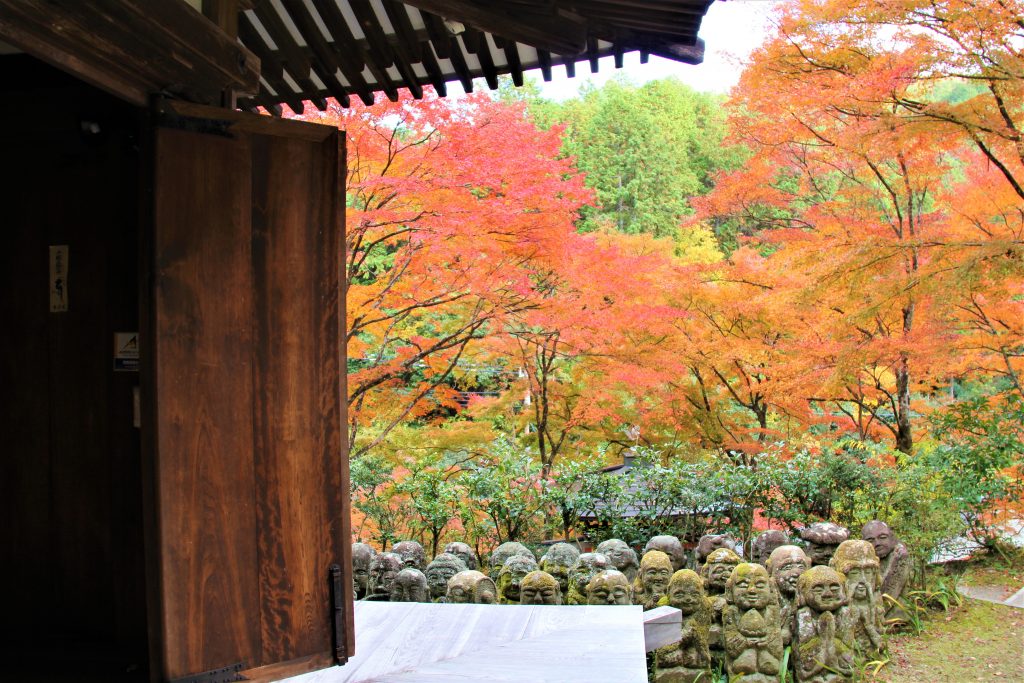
805, 298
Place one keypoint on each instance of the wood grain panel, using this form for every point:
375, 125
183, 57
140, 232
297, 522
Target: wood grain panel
203, 349
297, 260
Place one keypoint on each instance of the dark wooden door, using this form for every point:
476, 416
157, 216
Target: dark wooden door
243, 394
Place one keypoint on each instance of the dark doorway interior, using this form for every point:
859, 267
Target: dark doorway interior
71, 534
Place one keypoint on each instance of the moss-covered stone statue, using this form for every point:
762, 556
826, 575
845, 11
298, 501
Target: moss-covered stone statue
764, 543
412, 554
462, 551
895, 562
471, 586
652, 581
752, 626
557, 562
410, 585
580, 574
856, 560
716, 572
671, 546
362, 555
823, 644
502, 553
540, 588
822, 539
439, 571
609, 587
622, 557
709, 543
785, 565
383, 570
510, 578
689, 660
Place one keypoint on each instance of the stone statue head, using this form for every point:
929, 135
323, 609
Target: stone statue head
750, 587
584, 569
412, 554
484, 591
822, 540
786, 564
717, 568
442, 568
671, 546
463, 552
764, 543
709, 543
462, 587
410, 586
383, 570
362, 555
510, 578
880, 535
502, 553
857, 561
609, 587
823, 589
620, 554
539, 588
557, 562
686, 593
655, 572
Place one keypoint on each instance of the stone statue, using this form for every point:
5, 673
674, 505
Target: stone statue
764, 543
582, 572
822, 540
785, 565
689, 660
410, 585
652, 581
609, 587
715, 572
539, 588
895, 562
463, 552
362, 555
510, 578
471, 586
856, 560
823, 643
502, 553
671, 546
412, 554
557, 562
622, 557
709, 543
751, 626
439, 571
383, 570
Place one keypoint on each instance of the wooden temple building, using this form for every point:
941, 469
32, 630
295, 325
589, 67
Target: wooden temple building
173, 472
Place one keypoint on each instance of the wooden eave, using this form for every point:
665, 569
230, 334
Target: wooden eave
317, 49
267, 53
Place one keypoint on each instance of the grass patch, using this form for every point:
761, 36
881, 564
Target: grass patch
979, 641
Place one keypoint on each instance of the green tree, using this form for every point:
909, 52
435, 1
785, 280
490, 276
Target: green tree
645, 150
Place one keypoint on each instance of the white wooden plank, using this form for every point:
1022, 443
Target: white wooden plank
410, 642
662, 626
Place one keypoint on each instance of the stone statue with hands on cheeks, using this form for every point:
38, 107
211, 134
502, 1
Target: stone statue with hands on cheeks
823, 645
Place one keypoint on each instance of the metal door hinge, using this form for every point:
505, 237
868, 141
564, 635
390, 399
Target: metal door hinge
338, 613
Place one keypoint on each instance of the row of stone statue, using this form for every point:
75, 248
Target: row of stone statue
737, 616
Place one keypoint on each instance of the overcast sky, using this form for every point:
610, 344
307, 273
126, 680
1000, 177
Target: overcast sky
731, 30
